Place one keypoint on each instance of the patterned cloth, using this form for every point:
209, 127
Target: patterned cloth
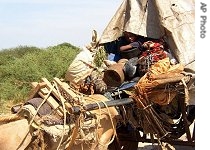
154, 53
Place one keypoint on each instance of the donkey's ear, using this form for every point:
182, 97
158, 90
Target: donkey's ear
94, 36
94, 43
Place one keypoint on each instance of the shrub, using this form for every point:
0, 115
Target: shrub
22, 65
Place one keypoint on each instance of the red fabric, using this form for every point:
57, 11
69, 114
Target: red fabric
156, 50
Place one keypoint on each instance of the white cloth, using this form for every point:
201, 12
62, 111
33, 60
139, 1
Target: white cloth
80, 68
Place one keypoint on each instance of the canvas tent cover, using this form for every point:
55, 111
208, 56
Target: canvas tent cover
172, 20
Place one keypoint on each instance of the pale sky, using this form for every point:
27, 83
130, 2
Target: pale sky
44, 23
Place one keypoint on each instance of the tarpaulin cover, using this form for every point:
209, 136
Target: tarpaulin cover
172, 20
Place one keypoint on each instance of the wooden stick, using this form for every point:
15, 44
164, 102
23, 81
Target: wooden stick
166, 76
42, 91
36, 87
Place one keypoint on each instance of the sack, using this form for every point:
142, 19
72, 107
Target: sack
80, 68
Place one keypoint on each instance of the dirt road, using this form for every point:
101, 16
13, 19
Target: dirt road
149, 146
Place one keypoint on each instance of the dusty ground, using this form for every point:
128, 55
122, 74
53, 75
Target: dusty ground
155, 147
149, 146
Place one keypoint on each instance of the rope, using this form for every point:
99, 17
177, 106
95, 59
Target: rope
149, 113
64, 114
98, 119
115, 134
187, 97
74, 134
48, 94
10, 118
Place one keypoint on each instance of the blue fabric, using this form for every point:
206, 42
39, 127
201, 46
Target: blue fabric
127, 85
113, 57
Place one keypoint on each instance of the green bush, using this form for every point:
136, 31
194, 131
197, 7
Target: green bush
8, 55
22, 65
100, 57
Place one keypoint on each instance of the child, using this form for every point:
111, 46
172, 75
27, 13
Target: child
123, 43
131, 41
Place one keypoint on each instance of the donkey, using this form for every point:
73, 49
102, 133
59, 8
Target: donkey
17, 133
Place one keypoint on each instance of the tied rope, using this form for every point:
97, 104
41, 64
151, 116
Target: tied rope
64, 114
10, 118
74, 132
30, 123
115, 134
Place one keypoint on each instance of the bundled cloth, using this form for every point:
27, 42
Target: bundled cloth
154, 52
80, 68
153, 85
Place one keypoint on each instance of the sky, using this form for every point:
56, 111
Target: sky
44, 23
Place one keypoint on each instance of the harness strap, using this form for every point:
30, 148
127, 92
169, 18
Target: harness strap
74, 134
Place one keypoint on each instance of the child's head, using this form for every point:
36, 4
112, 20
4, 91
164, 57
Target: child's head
130, 37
